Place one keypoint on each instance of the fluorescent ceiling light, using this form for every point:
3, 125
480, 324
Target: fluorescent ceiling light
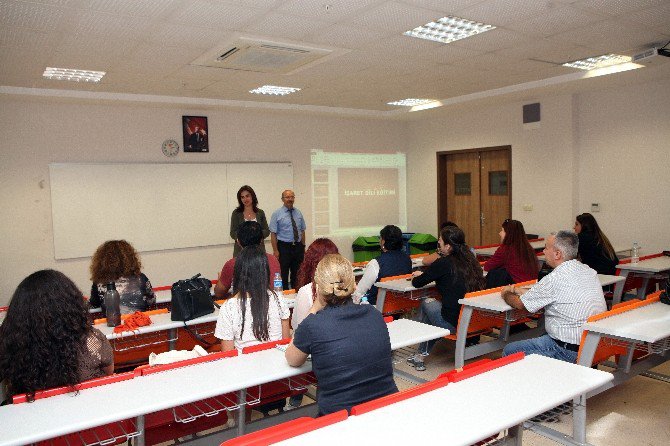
448, 29
427, 106
612, 69
68, 74
603, 61
274, 90
411, 102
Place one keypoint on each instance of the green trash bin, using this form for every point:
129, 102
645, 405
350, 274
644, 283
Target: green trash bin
366, 248
420, 243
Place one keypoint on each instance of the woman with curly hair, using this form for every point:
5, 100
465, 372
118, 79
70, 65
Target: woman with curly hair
306, 287
117, 261
46, 340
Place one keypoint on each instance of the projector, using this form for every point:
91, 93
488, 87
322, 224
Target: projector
651, 56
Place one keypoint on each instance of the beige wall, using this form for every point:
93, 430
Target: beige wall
35, 132
609, 147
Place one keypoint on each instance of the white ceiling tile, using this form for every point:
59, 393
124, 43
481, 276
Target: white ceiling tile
448, 54
143, 8
504, 12
495, 39
326, 10
344, 36
110, 26
186, 35
450, 7
546, 50
216, 15
32, 16
657, 17
555, 21
395, 18
618, 7
27, 39
287, 26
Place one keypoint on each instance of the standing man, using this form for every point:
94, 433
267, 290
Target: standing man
287, 232
569, 295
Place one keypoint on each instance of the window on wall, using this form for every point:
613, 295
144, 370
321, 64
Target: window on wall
463, 183
498, 182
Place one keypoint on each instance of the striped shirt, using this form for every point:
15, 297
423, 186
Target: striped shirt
570, 294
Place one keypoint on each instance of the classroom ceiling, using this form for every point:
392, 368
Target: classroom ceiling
169, 47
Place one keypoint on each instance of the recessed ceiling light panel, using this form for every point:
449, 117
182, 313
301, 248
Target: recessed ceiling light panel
274, 90
69, 74
411, 102
603, 61
449, 29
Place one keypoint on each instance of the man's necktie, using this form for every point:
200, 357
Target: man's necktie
296, 238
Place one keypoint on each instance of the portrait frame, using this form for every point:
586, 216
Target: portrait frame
196, 134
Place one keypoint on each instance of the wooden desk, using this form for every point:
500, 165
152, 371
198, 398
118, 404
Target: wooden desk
493, 303
468, 411
59, 415
537, 245
646, 269
645, 328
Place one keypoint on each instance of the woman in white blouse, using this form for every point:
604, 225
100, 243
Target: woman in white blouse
255, 314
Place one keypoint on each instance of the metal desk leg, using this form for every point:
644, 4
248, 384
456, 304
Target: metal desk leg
618, 292
381, 297
241, 411
172, 336
140, 428
642, 291
514, 435
589, 349
579, 419
462, 335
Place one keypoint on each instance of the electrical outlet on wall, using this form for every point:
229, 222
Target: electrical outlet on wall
527, 207
595, 207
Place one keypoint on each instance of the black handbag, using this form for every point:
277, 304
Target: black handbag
191, 298
665, 294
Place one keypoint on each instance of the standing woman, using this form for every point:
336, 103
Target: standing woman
514, 261
595, 249
117, 261
305, 284
46, 340
255, 314
349, 344
247, 210
455, 273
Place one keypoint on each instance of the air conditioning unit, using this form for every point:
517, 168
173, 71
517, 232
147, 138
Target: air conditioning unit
651, 56
261, 56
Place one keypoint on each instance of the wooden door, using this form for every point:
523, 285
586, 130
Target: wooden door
495, 193
474, 191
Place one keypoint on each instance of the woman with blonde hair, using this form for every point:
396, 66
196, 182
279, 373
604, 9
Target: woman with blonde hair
333, 333
117, 261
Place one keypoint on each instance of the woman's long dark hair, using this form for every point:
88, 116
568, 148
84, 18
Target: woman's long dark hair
466, 264
254, 200
515, 238
43, 334
589, 224
251, 281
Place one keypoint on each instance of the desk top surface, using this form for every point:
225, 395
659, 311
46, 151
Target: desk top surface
655, 265
649, 323
401, 285
465, 412
62, 414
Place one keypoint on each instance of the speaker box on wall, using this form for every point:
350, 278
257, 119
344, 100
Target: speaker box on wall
531, 113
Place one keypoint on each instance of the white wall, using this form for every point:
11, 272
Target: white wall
36, 132
609, 146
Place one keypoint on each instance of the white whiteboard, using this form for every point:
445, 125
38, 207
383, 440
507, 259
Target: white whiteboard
154, 206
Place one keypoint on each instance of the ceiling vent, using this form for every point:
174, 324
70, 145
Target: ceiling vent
262, 56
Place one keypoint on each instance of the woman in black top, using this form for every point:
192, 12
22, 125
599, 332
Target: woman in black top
595, 250
455, 273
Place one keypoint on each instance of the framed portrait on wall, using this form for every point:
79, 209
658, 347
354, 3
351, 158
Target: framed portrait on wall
196, 133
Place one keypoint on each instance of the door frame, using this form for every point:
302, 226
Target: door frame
443, 183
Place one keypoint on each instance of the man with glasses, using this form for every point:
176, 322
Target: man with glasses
287, 233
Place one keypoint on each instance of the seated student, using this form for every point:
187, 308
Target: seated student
117, 261
349, 344
455, 273
249, 233
307, 288
392, 262
515, 260
255, 314
46, 340
569, 295
430, 258
595, 249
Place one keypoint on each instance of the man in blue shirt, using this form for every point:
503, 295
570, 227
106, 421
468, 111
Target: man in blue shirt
287, 232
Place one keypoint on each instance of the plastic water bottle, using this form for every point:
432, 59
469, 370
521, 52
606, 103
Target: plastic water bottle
635, 253
277, 284
364, 300
112, 305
